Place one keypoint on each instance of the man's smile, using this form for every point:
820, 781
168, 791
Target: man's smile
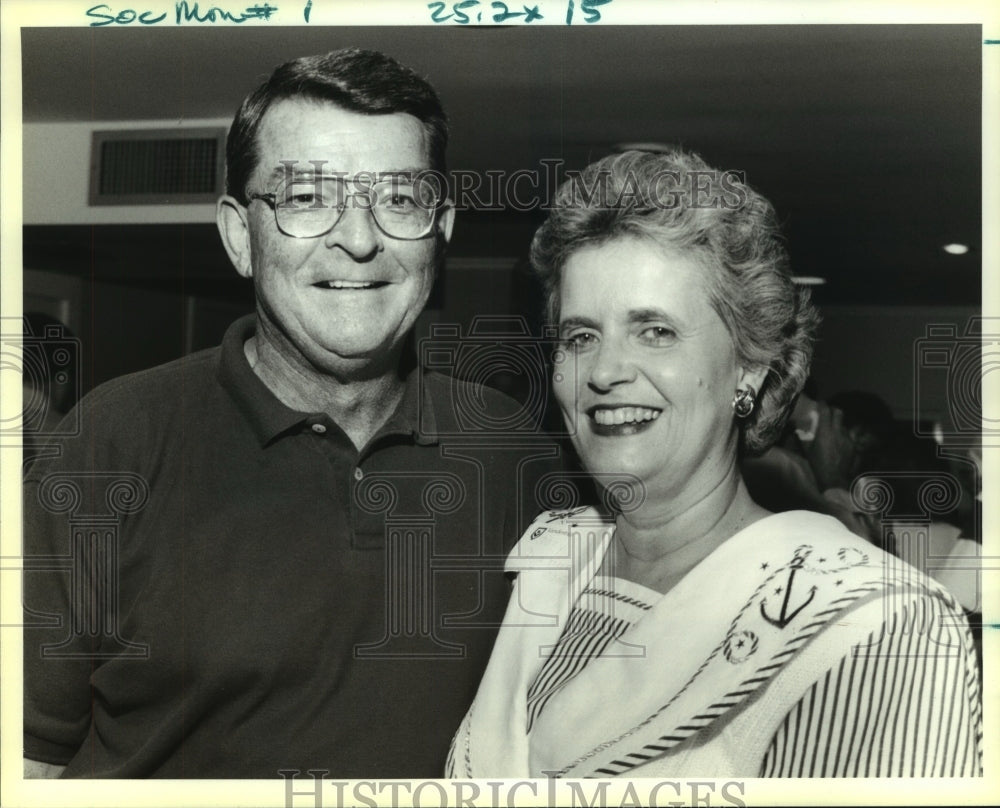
351, 285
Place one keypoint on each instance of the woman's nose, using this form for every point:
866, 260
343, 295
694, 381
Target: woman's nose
611, 366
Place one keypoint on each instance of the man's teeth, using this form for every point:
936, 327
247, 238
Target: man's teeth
625, 415
349, 284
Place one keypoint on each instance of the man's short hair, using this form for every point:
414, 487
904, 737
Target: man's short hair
357, 80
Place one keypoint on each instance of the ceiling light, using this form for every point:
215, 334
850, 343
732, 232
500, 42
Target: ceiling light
808, 280
659, 148
956, 249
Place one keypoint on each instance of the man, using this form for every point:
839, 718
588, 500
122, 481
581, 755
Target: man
284, 553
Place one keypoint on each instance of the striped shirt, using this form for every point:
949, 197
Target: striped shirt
604, 611
902, 705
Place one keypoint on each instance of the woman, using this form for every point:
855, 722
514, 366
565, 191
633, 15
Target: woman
693, 633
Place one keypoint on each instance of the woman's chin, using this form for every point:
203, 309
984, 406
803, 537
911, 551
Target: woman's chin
607, 467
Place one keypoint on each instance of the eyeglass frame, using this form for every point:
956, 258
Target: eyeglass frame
370, 180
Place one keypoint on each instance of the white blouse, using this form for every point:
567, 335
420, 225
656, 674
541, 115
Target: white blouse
864, 718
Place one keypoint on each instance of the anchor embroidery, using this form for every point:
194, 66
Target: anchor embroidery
785, 617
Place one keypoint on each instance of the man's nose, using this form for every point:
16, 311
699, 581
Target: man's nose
356, 233
612, 365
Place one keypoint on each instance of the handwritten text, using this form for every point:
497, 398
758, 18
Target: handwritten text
476, 12
184, 12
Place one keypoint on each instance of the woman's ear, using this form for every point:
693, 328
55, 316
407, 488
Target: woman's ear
231, 219
753, 377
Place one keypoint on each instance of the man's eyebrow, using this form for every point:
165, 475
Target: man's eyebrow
308, 171
410, 172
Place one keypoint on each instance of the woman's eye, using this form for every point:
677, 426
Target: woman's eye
658, 334
583, 339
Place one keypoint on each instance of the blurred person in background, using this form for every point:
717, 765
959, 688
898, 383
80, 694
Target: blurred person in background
826, 446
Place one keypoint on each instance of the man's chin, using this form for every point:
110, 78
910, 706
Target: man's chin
338, 351
335, 356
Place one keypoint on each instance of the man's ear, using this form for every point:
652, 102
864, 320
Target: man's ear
231, 219
446, 220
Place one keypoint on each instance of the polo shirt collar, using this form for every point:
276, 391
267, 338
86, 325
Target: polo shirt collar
415, 413
270, 419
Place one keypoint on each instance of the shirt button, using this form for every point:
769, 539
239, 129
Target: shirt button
319, 429
358, 474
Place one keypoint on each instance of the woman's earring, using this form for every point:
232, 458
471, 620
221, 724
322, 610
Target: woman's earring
743, 401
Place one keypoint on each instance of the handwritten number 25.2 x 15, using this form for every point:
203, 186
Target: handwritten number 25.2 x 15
470, 11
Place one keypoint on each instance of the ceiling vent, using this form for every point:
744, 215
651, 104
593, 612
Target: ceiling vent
157, 166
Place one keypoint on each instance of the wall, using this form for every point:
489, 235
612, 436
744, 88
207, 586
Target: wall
123, 328
887, 350
57, 156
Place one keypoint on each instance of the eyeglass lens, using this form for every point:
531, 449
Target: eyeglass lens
310, 207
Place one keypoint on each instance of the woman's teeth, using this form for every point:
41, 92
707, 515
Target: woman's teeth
624, 415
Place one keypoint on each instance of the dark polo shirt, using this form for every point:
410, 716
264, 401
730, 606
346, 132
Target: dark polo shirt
219, 586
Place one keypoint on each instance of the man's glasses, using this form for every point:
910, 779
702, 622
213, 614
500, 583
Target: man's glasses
311, 207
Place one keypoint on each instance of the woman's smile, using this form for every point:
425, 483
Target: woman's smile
621, 420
